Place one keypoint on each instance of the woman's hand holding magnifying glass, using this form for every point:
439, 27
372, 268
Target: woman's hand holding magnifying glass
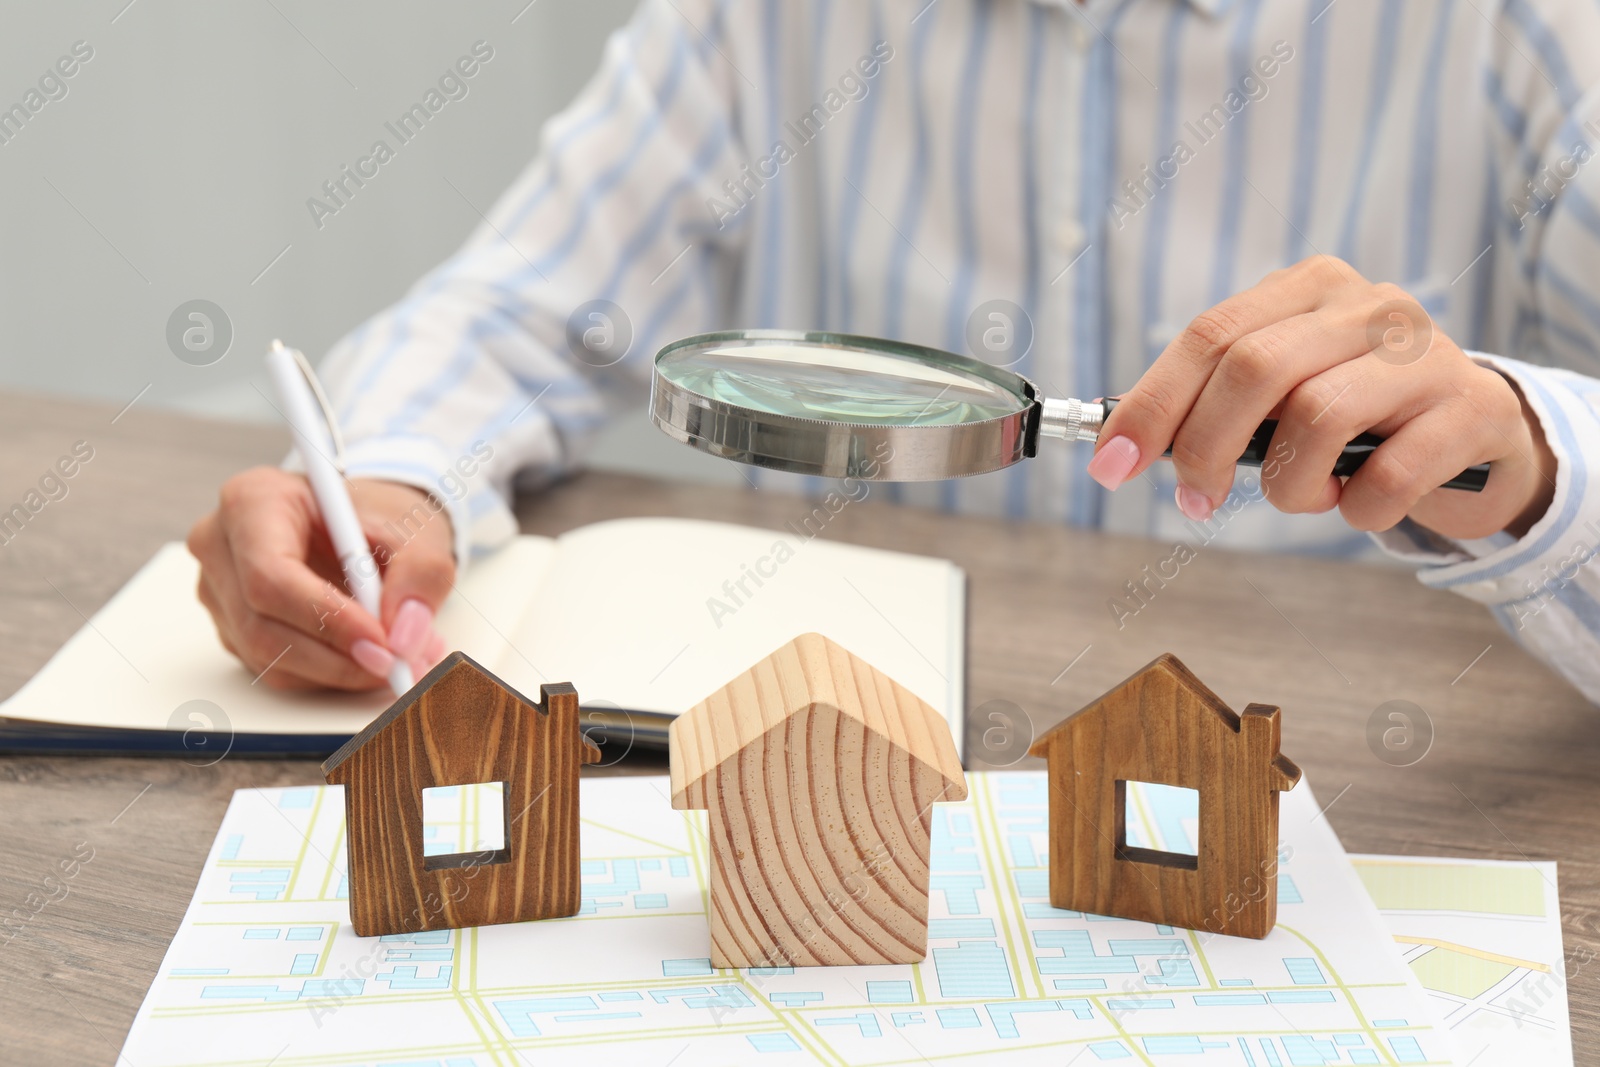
1331, 355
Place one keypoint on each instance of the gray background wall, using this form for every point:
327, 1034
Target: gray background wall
178, 164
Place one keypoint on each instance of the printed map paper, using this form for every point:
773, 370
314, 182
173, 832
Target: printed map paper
1484, 937
266, 969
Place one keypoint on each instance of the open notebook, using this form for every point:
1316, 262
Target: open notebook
645, 615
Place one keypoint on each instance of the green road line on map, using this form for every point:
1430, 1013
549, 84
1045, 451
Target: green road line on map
534, 1045
492, 1043
1138, 1050
700, 861
354, 1059
282, 861
326, 955
465, 999
425, 997
696, 836
1150, 834
1355, 1006
730, 976
917, 984
502, 1050
305, 843
333, 866
1009, 1048
1008, 908
902, 1034
788, 1018
512, 1045
941, 1057
690, 1032
476, 995
1205, 964
665, 850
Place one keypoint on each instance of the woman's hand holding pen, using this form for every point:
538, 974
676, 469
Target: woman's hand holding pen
274, 588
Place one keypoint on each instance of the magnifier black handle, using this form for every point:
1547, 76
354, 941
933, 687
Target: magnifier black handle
1473, 479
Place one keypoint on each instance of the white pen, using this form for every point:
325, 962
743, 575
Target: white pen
312, 423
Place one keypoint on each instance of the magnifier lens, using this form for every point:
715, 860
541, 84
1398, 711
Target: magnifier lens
835, 384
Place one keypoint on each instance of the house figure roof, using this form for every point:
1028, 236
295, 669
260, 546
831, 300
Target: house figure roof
810, 670
1168, 672
408, 700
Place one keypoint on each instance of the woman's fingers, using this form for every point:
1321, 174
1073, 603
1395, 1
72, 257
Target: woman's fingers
1320, 416
1413, 462
417, 548
1252, 378
282, 657
1522, 468
1147, 418
270, 537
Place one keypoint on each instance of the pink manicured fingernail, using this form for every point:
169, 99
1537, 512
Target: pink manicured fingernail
412, 624
1194, 505
1114, 462
372, 657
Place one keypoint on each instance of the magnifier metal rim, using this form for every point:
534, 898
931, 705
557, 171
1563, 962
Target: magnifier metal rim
833, 449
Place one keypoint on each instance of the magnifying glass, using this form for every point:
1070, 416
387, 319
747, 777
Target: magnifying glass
842, 406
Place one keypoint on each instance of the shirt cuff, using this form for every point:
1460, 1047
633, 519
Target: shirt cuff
424, 464
1505, 571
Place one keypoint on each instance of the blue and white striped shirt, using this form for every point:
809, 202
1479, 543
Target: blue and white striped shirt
889, 166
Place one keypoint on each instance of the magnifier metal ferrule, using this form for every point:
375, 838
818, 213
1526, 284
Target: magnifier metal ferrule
1071, 420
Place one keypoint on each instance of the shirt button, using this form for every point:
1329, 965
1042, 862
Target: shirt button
1078, 34
1071, 235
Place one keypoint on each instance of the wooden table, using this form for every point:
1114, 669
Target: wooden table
1511, 772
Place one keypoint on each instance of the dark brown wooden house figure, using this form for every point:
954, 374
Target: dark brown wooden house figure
1163, 726
460, 725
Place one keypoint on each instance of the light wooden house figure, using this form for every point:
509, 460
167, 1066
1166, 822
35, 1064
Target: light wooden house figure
459, 726
819, 775
1163, 726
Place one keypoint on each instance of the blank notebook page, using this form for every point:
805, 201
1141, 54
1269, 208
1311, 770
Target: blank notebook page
634, 612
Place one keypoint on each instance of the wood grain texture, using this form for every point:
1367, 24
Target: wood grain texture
1495, 785
819, 774
1162, 725
460, 725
